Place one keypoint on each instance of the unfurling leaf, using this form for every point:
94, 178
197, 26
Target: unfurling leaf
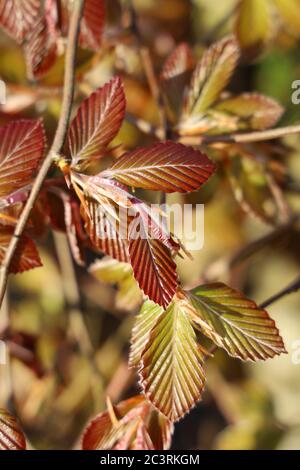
234, 322
152, 263
17, 17
40, 49
290, 13
144, 323
11, 435
172, 374
111, 271
251, 111
92, 24
211, 76
253, 25
97, 122
133, 424
26, 255
22, 145
165, 166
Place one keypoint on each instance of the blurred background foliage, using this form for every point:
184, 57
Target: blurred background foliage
56, 385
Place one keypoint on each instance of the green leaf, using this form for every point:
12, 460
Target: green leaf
211, 76
253, 25
144, 322
172, 374
234, 322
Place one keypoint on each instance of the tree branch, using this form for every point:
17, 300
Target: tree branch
292, 287
58, 142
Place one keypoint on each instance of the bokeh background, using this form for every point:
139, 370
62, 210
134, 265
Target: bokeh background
54, 387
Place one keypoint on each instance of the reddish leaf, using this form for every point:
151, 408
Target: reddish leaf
92, 24
180, 61
17, 17
97, 122
153, 265
136, 425
26, 255
22, 145
11, 435
166, 166
40, 49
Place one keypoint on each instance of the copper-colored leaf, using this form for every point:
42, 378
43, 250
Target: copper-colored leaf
26, 255
22, 145
211, 76
234, 322
166, 166
17, 17
133, 424
178, 62
97, 122
172, 372
11, 435
153, 265
92, 24
40, 49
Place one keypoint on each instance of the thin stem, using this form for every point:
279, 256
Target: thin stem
58, 142
291, 288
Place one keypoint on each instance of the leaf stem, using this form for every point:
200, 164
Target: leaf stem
58, 142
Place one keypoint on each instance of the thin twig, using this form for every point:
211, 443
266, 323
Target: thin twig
291, 288
57, 145
246, 137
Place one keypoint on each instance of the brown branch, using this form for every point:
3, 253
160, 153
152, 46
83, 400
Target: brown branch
246, 137
58, 142
291, 288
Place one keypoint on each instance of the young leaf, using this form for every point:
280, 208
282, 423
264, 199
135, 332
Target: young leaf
144, 323
253, 111
97, 122
253, 25
22, 145
136, 425
92, 24
152, 263
211, 76
234, 323
166, 166
111, 271
26, 255
180, 61
172, 372
290, 13
11, 435
40, 49
17, 17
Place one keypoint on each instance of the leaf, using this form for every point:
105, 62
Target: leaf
253, 26
211, 76
40, 49
26, 255
133, 424
92, 24
172, 374
175, 76
97, 122
152, 263
290, 13
143, 325
22, 145
111, 271
234, 322
17, 17
166, 166
254, 111
250, 187
11, 435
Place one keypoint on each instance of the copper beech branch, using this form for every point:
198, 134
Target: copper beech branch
58, 142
